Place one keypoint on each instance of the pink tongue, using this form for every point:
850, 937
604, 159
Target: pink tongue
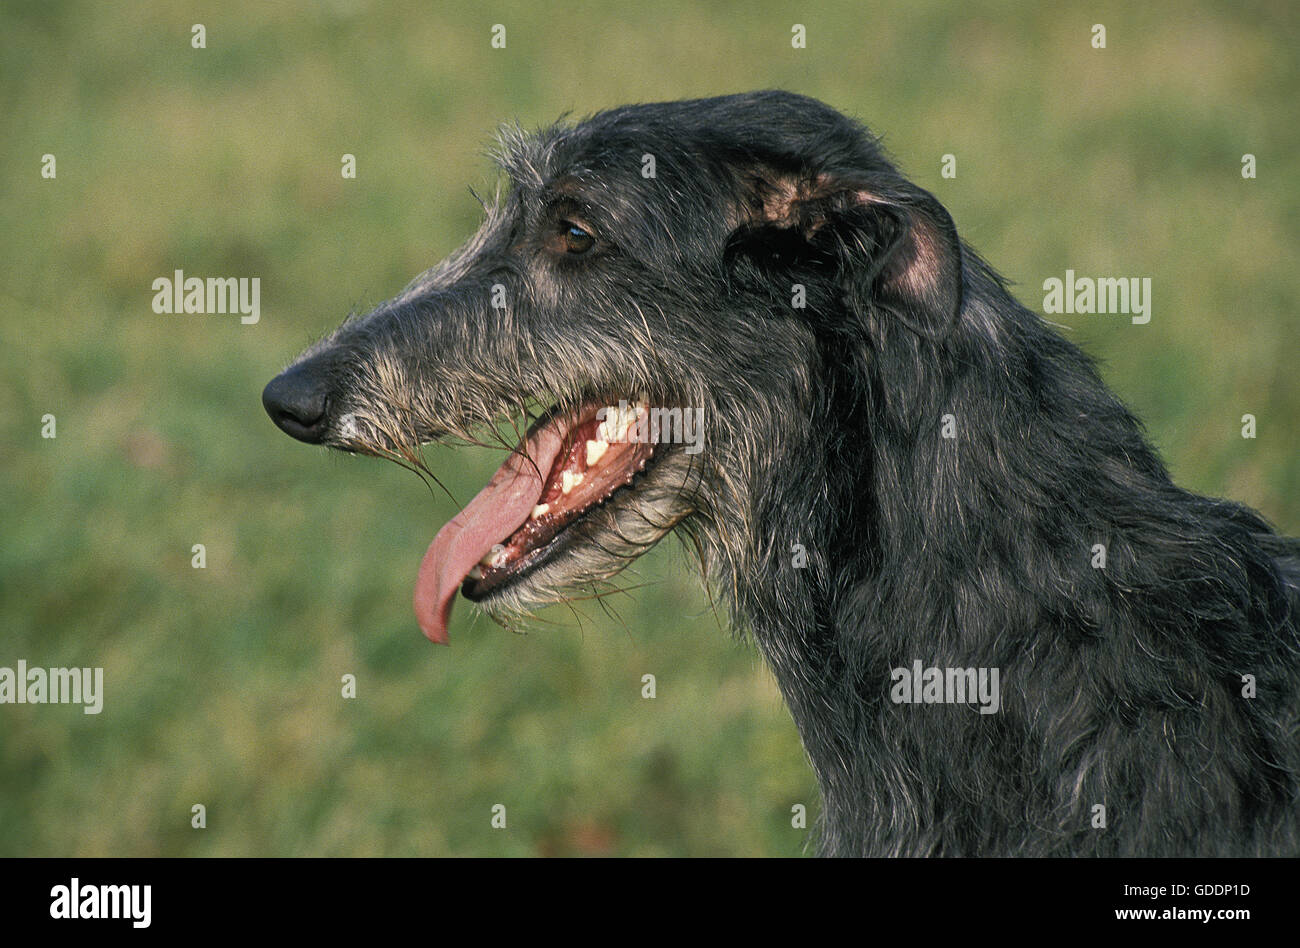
498, 511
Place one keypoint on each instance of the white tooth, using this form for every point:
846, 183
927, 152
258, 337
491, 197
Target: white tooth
622, 421
611, 429
541, 510
595, 451
569, 480
476, 572
495, 557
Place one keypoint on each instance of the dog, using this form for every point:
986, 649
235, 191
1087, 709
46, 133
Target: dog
1000, 628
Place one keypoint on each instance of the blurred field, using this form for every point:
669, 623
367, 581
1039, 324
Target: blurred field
223, 684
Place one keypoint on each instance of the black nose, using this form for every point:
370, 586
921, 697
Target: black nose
297, 401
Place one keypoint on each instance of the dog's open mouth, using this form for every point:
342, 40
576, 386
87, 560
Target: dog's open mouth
582, 458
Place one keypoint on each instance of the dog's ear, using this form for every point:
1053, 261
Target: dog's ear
895, 246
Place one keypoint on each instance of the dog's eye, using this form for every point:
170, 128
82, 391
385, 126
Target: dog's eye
574, 239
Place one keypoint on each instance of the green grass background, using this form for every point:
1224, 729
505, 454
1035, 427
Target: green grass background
223, 684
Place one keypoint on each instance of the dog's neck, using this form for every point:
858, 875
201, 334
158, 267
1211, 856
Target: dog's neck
892, 510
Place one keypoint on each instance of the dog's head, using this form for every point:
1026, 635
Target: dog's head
669, 291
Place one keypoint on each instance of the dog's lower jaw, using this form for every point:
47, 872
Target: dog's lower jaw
585, 560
